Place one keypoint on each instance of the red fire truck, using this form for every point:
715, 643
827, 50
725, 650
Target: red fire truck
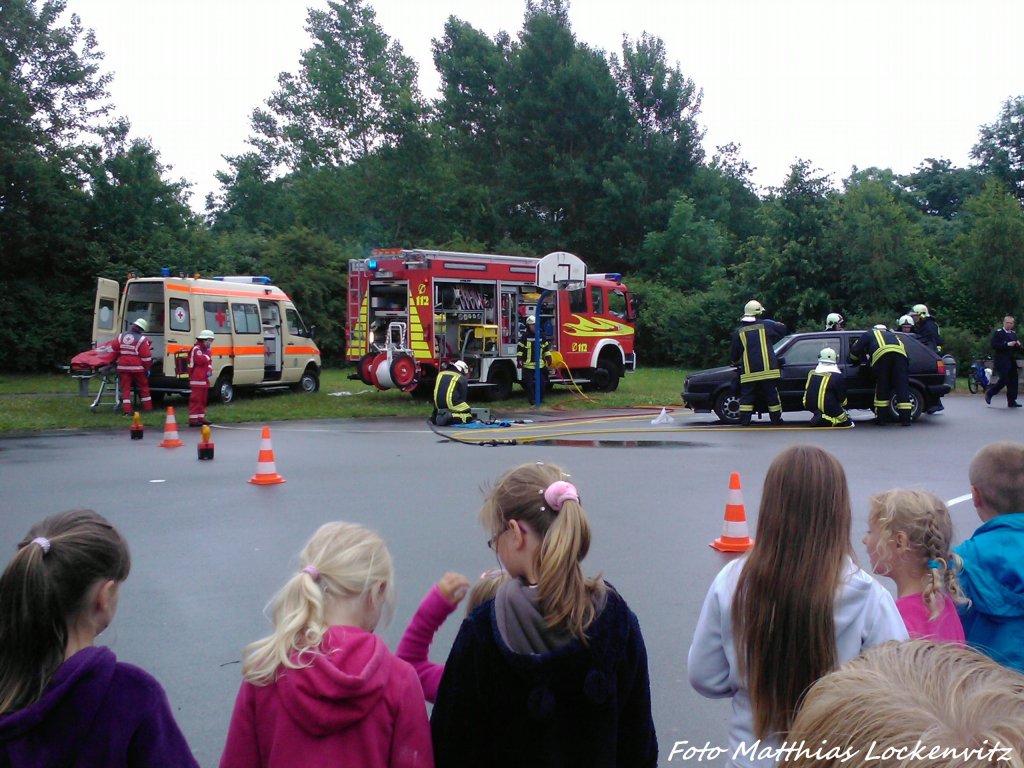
411, 311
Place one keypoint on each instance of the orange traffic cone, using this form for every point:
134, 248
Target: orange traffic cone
735, 537
171, 439
266, 469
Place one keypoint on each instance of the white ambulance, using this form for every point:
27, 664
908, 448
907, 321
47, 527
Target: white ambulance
260, 340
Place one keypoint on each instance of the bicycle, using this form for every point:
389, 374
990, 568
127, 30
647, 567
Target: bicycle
978, 375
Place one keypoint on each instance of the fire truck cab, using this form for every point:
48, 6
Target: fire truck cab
412, 311
260, 340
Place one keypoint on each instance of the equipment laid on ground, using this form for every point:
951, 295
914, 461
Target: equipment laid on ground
411, 311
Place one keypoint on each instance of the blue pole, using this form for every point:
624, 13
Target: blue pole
536, 347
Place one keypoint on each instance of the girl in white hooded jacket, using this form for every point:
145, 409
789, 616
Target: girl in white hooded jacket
795, 608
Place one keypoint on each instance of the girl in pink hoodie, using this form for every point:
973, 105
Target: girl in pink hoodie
322, 687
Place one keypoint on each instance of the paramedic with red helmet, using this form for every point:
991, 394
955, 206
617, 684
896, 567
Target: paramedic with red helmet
200, 363
134, 359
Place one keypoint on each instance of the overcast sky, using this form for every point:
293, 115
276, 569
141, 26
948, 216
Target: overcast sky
862, 82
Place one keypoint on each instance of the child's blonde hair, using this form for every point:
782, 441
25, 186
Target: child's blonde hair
925, 520
486, 588
568, 599
341, 559
964, 706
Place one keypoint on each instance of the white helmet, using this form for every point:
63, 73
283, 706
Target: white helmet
906, 320
461, 367
827, 355
753, 307
531, 320
832, 320
880, 327
919, 309
141, 324
205, 335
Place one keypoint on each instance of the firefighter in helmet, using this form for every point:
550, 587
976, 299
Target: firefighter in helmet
134, 360
450, 393
526, 355
834, 322
926, 328
906, 324
890, 365
752, 352
825, 393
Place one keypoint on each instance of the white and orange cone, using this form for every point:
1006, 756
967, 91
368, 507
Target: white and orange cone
735, 536
266, 468
171, 439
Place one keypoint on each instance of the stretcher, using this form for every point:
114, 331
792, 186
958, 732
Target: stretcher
98, 364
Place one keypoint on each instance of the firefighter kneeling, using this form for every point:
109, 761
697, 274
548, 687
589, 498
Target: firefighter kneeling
825, 393
450, 392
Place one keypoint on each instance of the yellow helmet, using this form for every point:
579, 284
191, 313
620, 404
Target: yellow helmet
141, 324
827, 355
753, 307
919, 309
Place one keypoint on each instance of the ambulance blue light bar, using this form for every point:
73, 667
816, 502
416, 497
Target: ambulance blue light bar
255, 279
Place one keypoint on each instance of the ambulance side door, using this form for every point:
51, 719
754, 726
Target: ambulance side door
106, 312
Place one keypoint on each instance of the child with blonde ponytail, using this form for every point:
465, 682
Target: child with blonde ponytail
322, 689
910, 539
553, 670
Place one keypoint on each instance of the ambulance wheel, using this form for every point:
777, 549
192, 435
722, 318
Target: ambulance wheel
224, 390
500, 378
309, 383
364, 368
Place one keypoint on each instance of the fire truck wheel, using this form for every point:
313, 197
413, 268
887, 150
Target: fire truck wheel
606, 376
403, 371
363, 368
500, 378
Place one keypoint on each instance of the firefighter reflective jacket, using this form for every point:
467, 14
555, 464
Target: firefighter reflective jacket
825, 393
134, 353
526, 354
450, 392
871, 345
752, 350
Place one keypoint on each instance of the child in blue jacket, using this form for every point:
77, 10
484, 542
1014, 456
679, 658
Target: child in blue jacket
993, 558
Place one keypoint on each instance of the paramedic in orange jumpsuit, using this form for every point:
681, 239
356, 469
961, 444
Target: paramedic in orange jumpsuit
134, 359
200, 368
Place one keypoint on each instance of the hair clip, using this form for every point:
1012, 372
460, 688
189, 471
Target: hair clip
938, 565
44, 544
312, 571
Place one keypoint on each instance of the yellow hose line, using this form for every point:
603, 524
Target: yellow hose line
587, 433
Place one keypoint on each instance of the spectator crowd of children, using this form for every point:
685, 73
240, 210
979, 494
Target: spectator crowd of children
549, 667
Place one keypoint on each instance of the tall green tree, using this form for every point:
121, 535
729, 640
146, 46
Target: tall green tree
991, 251
882, 264
790, 267
689, 253
1000, 147
354, 93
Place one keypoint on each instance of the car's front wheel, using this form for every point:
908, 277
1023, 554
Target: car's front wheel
727, 407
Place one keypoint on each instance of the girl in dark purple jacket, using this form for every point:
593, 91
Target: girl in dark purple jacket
64, 701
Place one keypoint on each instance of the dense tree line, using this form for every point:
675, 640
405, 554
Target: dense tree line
535, 143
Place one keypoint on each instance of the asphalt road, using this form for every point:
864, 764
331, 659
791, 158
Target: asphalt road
209, 549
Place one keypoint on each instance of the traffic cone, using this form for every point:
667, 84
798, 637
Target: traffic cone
735, 537
266, 469
136, 430
205, 447
171, 439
